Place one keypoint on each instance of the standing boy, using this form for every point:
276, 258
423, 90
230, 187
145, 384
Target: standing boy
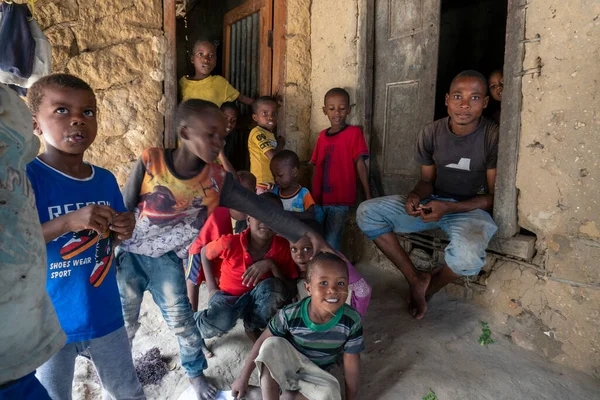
262, 144
458, 156
172, 193
305, 339
202, 85
83, 217
295, 198
338, 156
257, 278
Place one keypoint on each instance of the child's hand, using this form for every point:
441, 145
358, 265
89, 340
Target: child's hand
123, 225
95, 217
253, 274
239, 388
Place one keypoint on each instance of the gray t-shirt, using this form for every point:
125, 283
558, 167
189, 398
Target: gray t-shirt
461, 161
30, 332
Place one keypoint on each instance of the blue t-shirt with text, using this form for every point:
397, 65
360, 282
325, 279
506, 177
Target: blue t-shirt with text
81, 278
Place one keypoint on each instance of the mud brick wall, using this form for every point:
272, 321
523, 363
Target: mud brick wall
116, 46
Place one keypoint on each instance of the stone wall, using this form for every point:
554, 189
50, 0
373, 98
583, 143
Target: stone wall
334, 56
558, 176
117, 47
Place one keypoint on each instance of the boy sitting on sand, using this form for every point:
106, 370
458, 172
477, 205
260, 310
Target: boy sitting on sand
306, 338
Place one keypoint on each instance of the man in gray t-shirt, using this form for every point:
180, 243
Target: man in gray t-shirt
458, 156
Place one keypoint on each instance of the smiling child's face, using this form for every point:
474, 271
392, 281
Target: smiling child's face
328, 286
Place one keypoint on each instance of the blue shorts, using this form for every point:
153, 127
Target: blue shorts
469, 232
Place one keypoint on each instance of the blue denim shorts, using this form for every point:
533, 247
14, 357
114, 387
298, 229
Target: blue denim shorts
469, 232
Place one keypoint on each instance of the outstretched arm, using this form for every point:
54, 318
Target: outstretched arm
245, 99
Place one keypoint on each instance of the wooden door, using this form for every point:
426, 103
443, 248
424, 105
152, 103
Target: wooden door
405, 69
248, 47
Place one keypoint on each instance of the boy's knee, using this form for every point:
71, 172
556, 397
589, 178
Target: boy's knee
217, 320
268, 287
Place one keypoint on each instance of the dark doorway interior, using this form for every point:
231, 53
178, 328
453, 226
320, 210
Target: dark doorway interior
204, 20
472, 36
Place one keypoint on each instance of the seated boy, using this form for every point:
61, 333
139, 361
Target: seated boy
359, 291
305, 339
204, 86
172, 192
262, 144
458, 156
257, 278
295, 198
83, 217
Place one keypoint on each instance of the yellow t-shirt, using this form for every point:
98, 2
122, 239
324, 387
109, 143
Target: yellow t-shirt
215, 88
259, 142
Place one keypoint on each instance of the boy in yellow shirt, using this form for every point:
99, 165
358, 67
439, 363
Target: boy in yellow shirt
203, 85
262, 144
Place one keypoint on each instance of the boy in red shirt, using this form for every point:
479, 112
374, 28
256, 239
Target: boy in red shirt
338, 156
257, 278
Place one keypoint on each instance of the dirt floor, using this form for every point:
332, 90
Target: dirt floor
404, 359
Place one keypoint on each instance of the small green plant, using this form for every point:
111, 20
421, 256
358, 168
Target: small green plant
486, 334
430, 396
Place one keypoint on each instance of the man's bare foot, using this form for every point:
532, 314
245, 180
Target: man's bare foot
417, 304
203, 388
205, 350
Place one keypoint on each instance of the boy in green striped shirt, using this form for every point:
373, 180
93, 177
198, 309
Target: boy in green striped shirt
305, 339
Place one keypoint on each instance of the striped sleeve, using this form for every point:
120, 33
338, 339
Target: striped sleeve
278, 324
355, 343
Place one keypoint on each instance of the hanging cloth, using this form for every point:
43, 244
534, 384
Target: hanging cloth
17, 51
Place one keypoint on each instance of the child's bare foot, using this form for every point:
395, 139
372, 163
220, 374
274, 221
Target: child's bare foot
205, 350
203, 388
417, 304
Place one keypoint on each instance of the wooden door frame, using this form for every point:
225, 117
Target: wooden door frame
279, 10
506, 193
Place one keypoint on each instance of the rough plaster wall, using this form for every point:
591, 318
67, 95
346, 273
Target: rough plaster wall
558, 170
334, 56
297, 101
116, 46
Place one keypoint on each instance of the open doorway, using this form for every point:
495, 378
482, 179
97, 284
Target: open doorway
472, 36
248, 36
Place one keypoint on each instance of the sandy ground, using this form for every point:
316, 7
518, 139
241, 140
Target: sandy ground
404, 359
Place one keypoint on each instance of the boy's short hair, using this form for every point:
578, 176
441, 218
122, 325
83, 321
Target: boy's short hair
287, 156
323, 257
35, 94
471, 73
190, 107
261, 100
230, 105
337, 90
247, 177
202, 40
272, 197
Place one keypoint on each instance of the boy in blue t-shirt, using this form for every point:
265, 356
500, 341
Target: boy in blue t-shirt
83, 217
285, 166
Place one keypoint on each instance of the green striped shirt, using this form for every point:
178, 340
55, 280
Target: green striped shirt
321, 343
